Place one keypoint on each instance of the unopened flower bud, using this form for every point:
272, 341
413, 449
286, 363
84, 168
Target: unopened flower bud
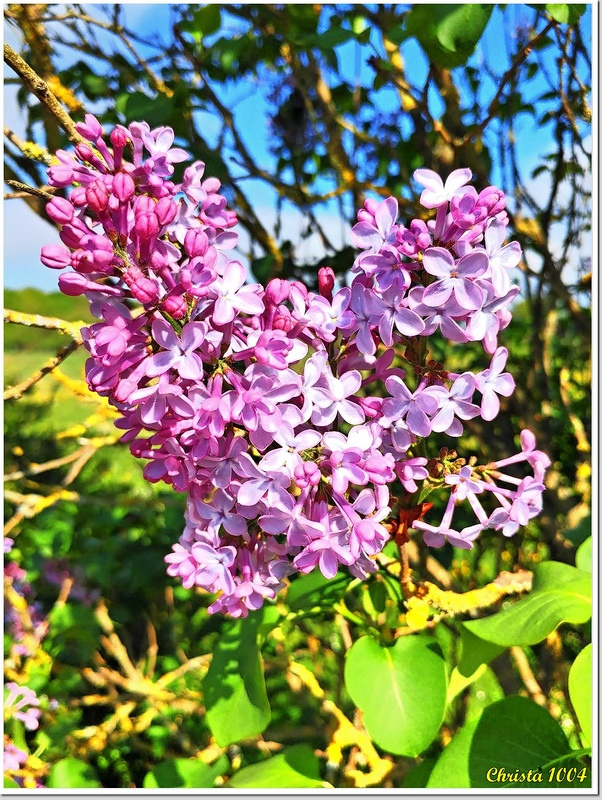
84, 152
147, 225
55, 256
97, 197
301, 287
60, 210
175, 306
142, 288
78, 197
71, 236
276, 291
196, 242
326, 282
119, 137
144, 204
283, 322
73, 283
166, 211
372, 406
123, 187
91, 129
61, 175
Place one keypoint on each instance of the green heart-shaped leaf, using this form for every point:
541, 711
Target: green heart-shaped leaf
390, 686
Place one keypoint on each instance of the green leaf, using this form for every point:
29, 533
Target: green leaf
185, 773
235, 695
398, 34
206, 20
330, 38
295, 768
418, 776
560, 594
390, 684
9, 783
451, 769
378, 595
70, 773
475, 655
580, 690
566, 13
514, 734
314, 590
95, 85
363, 37
583, 556
448, 33
484, 691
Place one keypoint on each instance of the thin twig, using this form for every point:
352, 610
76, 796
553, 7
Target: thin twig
72, 329
506, 78
526, 673
42, 91
25, 189
15, 392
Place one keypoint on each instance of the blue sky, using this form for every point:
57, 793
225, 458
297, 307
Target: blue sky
22, 266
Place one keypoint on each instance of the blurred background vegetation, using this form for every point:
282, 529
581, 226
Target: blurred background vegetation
302, 111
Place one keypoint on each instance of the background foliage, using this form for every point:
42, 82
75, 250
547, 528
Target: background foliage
141, 686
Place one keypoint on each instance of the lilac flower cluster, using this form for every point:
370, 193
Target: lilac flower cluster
257, 402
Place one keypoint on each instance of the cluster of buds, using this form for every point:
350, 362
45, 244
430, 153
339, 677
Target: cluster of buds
265, 405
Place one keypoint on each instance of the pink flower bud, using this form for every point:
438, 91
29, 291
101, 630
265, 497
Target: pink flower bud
493, 199
84, 152
119, 137
60, 210
73, 283
301, 287
143, 289
61, 175
283, 322
326, 282
78, 197
276, 291
71, 236
175, 306
81, 261
144, 204
371, 405
196, 242
91, 129
123, 186
166, 210
55, 256
97, 196
147, 225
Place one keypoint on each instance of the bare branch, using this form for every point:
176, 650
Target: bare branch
42, 91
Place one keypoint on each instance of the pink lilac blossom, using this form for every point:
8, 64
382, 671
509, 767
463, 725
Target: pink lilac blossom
255, 401
21, 703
